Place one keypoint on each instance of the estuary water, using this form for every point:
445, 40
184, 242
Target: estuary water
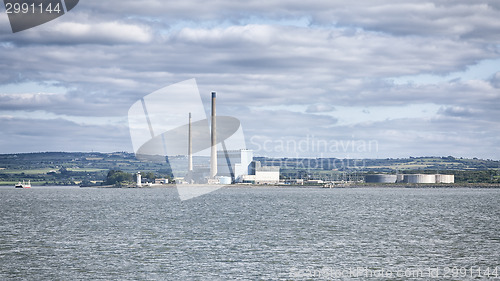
69, 233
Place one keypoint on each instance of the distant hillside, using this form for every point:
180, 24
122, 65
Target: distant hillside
465, 170
76, 167
64, 168
384, 165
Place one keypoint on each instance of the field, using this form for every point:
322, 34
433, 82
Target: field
62, 168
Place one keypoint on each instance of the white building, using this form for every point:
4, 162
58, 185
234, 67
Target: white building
262, 175
234, 163
161, 181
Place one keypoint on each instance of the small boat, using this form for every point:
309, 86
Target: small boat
23, 184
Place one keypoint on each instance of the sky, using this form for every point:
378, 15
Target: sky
345, 79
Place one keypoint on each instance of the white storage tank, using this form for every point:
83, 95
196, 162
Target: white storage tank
445, 178
419, 178
400, 178
380, 178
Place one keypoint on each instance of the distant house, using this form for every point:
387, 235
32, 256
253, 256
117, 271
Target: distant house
161, 181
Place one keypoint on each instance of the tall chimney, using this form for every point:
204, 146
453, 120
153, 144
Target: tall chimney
213, 153
190, 147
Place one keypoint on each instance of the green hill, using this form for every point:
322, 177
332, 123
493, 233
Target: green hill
67, 168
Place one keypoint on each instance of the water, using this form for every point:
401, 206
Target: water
56, 233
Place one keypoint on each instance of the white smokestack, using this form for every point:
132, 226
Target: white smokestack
213, 153
190, 147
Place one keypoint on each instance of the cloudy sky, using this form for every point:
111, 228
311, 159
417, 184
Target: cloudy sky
356, 79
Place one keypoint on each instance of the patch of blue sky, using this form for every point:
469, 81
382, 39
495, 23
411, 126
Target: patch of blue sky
352, 115
81, 120
7, 45
33, 87
348, 115
483, 70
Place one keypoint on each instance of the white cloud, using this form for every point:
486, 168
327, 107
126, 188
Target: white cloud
266, 59
29, 101
318, 108
86, 32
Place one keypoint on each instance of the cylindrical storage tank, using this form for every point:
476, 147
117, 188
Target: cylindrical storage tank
225, 180
428, 179
420, 178
400, 178
410, 178
379, 178
445, 178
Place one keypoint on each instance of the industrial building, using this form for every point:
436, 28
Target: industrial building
262, 175
234, 163
410, 178
226, 166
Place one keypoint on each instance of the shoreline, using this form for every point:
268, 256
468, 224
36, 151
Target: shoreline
354, 185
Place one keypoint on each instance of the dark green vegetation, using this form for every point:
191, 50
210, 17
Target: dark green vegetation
465, 170
118, 178
61, 168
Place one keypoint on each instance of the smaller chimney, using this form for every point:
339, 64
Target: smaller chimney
213, 152
190, 147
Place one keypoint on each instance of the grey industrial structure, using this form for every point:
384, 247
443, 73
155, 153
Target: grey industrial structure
234, 163
227, 166
239, 166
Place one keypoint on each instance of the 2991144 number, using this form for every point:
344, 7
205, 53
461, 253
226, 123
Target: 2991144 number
26, 8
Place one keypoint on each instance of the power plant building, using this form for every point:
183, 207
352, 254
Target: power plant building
262, 175
238, 166
234, 163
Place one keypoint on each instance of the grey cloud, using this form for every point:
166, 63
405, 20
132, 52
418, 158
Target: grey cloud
29, 101
28, 135
426, 18
283, 122
318, 108
109, 54
437, 18
456, 111
432, 137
